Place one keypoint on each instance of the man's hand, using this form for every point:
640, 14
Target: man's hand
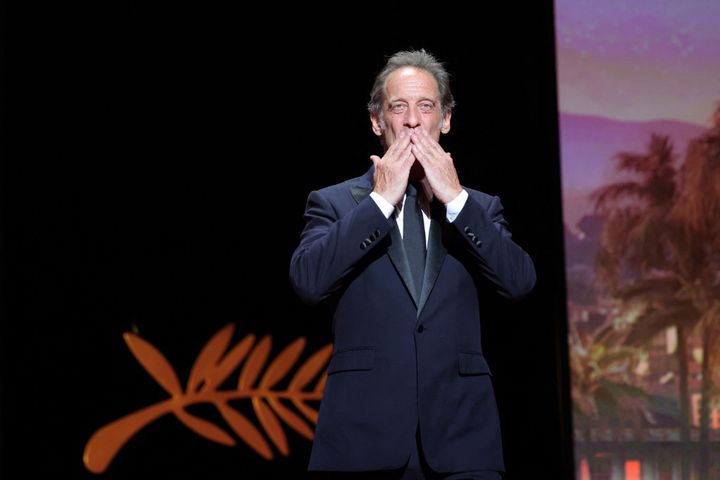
393, 169
440, 173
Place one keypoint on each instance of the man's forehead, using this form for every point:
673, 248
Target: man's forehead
411, 81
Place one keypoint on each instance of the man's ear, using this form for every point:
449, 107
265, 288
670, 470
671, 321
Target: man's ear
445, 124
376, 124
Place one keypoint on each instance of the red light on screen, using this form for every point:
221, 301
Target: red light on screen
632, 470
584, 469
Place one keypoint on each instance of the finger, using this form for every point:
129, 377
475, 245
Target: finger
393, 154
422, 153
402, 141
409, 159
427, 146
375, 159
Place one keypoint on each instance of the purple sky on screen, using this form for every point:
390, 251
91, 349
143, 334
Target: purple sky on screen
630, 60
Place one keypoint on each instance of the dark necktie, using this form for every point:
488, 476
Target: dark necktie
414, 236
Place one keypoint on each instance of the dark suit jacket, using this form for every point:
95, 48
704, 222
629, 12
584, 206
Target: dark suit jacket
400, 360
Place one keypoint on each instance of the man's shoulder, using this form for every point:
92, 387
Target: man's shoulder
362, 182
478, 196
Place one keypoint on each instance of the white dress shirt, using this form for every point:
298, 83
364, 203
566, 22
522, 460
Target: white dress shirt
452, 210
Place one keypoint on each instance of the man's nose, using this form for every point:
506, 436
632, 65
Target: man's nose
412, 118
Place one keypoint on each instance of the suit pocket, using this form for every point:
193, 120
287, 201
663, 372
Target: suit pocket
356, 359
472, 364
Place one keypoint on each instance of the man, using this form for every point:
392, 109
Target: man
400, 255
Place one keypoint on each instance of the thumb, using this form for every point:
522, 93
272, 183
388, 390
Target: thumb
375, 159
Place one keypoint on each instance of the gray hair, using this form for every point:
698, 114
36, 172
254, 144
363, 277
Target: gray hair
412, 58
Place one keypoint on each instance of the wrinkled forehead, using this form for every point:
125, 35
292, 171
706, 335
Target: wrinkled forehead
412, 83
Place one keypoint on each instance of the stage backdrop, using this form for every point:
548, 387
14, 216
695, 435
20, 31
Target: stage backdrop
162, 153
639, 85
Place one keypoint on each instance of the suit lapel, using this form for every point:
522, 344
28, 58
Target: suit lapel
396, 252
363, 186
436, 253
359, 192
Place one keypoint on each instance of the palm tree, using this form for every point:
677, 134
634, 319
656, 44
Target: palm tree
698, 210
601, 367
635, 261
602, 393
661, 248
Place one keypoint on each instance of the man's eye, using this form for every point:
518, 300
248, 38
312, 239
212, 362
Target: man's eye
398, 108
426, 107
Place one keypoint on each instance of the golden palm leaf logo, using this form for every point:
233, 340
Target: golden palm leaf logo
212, 367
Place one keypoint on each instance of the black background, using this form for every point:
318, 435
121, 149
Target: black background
156, 161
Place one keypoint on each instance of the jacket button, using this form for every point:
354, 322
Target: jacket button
421, 328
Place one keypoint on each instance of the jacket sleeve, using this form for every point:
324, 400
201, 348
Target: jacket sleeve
331, 245
507, 266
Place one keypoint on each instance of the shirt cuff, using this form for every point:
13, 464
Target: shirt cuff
385, 207
453, 208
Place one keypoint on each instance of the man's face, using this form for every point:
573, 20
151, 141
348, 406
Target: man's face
411, 100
